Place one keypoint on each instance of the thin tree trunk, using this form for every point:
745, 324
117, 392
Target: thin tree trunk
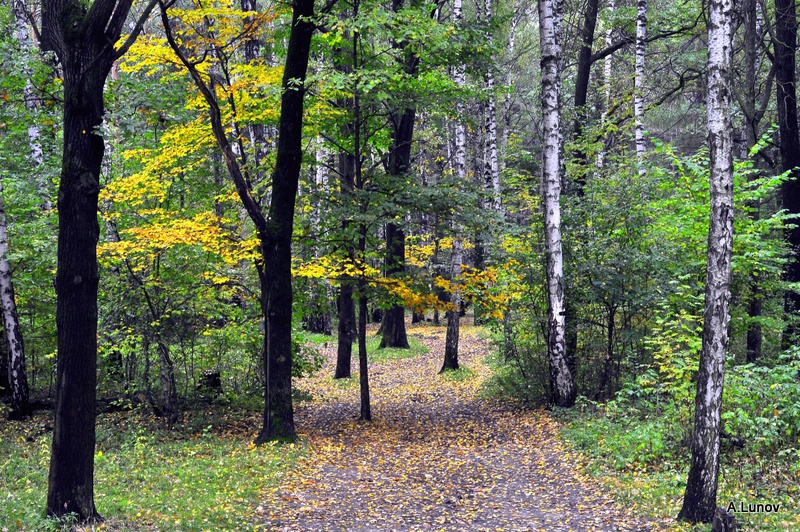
456, 256
638, 84
550, 20
700, 498
582, 76
491, 168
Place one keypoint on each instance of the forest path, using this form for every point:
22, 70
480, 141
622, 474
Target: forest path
437, 456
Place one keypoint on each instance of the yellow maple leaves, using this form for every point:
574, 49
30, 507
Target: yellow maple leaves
203, 230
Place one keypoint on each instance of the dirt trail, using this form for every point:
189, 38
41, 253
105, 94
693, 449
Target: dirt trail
437, 456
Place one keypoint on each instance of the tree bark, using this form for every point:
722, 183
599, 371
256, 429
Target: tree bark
550, 20
638, 84
393, 326
278, 411
785, 43
83, 39
17, 375
460, 167
344, 351
700, 498
275, 230
752, 118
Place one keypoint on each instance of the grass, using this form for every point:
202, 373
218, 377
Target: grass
376, 354
645, 471
463, 373
147, 478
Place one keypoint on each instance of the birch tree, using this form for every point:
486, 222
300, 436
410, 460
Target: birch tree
550, 20
17, 374
460, 167
638, 83
700, 498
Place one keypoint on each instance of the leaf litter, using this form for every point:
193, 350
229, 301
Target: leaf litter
437, 456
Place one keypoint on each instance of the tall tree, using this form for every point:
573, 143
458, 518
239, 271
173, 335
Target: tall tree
402, 121
785, 43
550, 22
700, 498
460, 166
83, 36
274, 231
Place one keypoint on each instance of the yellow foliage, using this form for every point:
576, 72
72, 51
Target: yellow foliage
203, 230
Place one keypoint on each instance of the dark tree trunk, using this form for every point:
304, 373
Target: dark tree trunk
752, 117
82, 37
582, 75
394, 325
786, 99
363, 367
451, 341
278, 411
168, 388
275, 235
346, 171
347, 318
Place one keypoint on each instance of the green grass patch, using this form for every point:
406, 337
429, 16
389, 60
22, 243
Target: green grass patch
320, 340
348, 383
147, 478
463, 373
375, 354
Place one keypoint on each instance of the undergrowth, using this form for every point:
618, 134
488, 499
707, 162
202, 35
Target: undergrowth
205, 476
637, 445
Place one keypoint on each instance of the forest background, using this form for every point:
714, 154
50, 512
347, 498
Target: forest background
420, 188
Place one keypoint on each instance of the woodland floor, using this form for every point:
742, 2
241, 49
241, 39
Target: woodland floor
437, 456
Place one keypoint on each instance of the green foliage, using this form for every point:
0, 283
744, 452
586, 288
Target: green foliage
145, 477
761, 405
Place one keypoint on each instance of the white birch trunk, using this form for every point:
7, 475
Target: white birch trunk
491, 168
460, 167
550, 19
17, 375
508, 82
22, 34
607, 71
700, 498
638, 84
